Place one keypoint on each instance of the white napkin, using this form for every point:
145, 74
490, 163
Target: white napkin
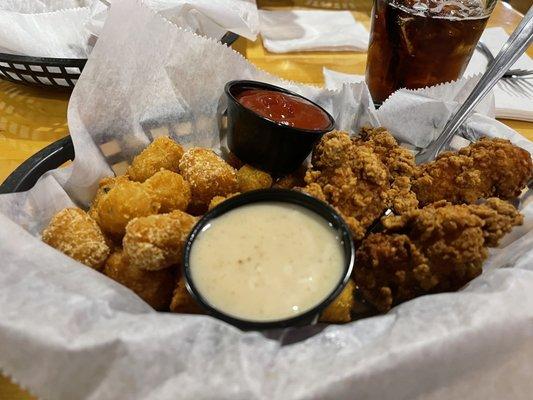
54, 28
511, 102
312, 30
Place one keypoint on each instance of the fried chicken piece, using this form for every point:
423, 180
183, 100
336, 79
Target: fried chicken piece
351, 178
170, 190
486, 168
74, 233
399, 161
125, 201
499, 216
215, 201
154, 287
209, 176
182, 301
435, 249
250, 178
340, 310
162, 153
156, 242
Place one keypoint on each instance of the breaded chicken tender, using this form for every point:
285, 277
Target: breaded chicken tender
170, 190
251, 178
182, 301
74, 233
154, 287
162, 153
215, 201
486, 168
435, 249
156, 242
351, 178
125, 201
209, 176
340, 310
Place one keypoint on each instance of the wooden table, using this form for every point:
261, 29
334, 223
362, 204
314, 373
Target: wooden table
31, 118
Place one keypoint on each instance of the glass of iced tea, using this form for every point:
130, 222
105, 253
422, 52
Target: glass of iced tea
419, 43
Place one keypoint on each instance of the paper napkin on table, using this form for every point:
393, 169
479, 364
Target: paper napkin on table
311, 30
511, 102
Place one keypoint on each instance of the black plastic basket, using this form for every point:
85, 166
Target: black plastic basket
52, 72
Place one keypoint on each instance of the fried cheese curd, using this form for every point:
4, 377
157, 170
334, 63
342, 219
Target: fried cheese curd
156, 242
162, 153
125, 201
182, 301
250, 178
74, 233
340, 310
209, 176
215, 201
154, 287
438, 248
486, 168
170, 190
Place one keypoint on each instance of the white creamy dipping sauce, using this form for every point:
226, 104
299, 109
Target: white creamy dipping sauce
266, 261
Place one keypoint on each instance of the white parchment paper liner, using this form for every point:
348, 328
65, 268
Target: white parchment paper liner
68, 332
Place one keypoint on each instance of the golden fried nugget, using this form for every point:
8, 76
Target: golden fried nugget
182, 301
104, 186
340, 310
209, 176
162, 153
234, 161
170, 190
156, 242
293, 180
215, 201
154, 287
74, 233
125, 201
251, 178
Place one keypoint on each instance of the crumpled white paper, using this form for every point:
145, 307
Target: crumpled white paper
68, 332
69, 28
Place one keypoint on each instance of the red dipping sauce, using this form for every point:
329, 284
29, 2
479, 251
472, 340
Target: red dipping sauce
285, 109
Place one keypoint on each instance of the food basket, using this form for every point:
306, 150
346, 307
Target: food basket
52, 72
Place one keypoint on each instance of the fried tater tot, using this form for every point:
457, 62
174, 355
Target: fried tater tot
156, 242
251, 178
162, 153
170, 190
125, 201
182, 301
154, 287
340, 310
74, 233
209, 176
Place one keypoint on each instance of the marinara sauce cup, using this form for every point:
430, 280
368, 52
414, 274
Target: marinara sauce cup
263, 142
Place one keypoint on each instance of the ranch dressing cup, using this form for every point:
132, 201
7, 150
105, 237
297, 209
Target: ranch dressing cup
268, 259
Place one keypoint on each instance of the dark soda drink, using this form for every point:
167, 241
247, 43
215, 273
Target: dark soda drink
419, 43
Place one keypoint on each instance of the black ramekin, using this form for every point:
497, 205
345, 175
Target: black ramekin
263, 143
273, 195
